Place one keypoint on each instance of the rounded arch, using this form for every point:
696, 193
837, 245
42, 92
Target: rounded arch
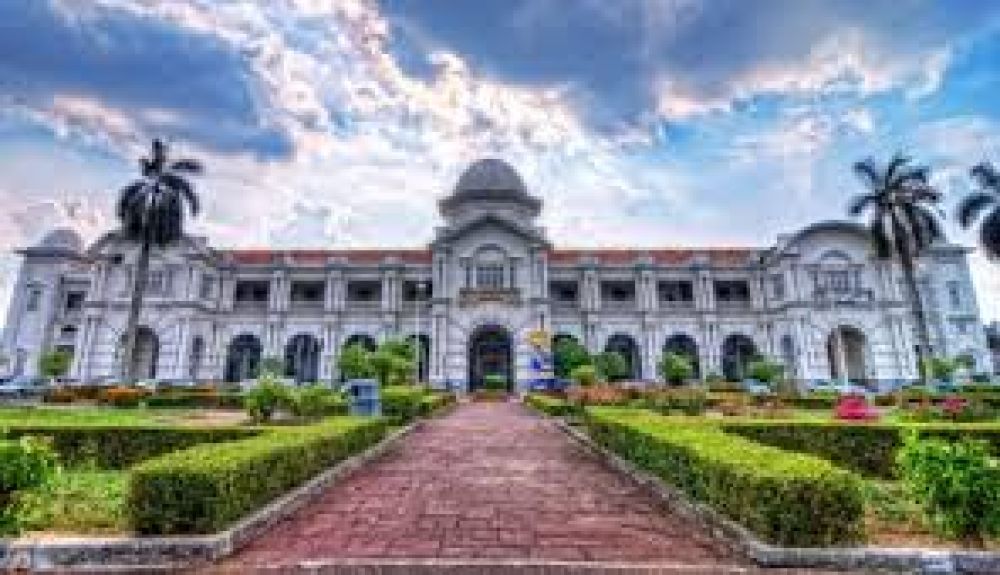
146, 354
684, 344
302, 358
243, 358
738, 350
625, 345
363, 339
423, 343
845, 348
491, 354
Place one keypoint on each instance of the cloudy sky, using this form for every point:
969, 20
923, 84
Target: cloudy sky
639, 122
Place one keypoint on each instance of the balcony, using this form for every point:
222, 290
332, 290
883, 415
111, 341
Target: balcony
843, 297
676, 305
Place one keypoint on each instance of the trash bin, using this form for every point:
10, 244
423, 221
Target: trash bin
363, 397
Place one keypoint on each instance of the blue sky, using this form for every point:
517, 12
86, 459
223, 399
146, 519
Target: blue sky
639, 122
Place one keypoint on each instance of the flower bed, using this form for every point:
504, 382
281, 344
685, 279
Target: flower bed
868, 448
785, 498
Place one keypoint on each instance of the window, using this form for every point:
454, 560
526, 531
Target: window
675, 291
839, 280
955, 294
489, 276
732, 291
565, 292
154, 282
205, 291
34, 298
74, 300
308, 292
416, 290
778, 286
251, 291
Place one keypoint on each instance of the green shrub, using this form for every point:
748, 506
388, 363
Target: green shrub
55, 363
355, 362
316, 401
80, 502
611, 366
196, 399
785, 498
24, 463
567, 355
554, 406
868, 448
266, 398
942, 368
676, 368
402, 403
585, 375
495, 382
434, 401
117, 446
956, 484
205, 488
765, 370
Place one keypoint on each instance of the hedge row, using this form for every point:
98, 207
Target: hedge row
196, 399
205, 488
554, 406
785, 498
404, 403
433, 402
118, 447
868, 448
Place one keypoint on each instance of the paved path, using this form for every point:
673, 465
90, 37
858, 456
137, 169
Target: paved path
490, 480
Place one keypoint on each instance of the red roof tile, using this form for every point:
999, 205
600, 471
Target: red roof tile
663, 256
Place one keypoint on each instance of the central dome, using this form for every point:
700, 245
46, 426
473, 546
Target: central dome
490, 175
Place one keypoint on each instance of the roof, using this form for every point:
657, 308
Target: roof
321, 257
490, 179
659, 256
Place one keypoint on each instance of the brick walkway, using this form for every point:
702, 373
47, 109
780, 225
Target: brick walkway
490, 480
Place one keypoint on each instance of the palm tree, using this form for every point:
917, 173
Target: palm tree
903, 223
984, 200
151, 212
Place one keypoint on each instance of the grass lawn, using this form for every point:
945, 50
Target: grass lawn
80, 502
89, 415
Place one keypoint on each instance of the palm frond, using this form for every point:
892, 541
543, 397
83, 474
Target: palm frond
869, 173
987, 176
989, 234
971, 206
881, 242
187, 166
860, 203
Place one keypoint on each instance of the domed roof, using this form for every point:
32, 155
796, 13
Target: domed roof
62, 239
490, 174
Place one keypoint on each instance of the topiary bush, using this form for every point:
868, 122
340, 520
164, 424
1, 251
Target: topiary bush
956, 484
585, 375
316, 400
266, 398
785, 498
676, 368
402, 403
205, 488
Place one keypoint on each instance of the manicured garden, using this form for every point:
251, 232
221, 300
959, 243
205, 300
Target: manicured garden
809, 476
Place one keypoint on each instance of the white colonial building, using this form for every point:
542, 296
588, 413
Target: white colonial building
817, 300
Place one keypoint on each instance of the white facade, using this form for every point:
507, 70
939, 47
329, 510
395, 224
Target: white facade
817, 300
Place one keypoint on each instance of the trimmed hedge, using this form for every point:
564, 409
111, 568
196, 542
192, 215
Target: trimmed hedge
554, 406
868, 448
196, 399
785, 498
433, 402
205, 488
118, 447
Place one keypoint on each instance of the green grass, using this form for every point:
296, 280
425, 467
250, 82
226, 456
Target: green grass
78, 502
96, 416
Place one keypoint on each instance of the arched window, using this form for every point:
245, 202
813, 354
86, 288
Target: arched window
625, 345
684, 344
738, 350
243, 358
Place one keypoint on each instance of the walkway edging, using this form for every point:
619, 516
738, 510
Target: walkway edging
767, 555
171, 553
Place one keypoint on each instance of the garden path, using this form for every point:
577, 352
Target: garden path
487, 481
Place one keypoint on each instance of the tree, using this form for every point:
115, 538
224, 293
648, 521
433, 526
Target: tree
984, 205
676, 368
54, 363
903, 223
765, 370
151, 212
567, 355
355, 362
611, 366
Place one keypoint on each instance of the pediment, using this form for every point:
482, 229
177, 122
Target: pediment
452, 234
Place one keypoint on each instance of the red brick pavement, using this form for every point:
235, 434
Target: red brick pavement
490, 480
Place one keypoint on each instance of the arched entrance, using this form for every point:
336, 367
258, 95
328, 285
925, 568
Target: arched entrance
738, 350
490, 354
302, 358
625, 345
845, 350
683, 344
243, 358
145, 355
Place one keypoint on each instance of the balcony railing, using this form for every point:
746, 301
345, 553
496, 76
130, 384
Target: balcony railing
843, 297
675, 304
473, 296
733, 304
250, 306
